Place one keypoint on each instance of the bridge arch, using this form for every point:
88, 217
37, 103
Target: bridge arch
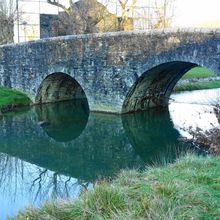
154, 87
58, 87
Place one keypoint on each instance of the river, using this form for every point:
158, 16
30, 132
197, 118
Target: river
59, 150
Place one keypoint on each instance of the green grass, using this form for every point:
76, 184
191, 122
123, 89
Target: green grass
198, 72
187, 189
197, 85
13, 97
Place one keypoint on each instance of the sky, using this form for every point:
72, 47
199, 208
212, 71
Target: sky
189, 13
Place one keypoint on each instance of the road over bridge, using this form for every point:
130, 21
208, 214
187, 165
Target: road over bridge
117, 72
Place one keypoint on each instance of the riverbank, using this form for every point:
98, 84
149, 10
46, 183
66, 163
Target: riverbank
196, 79
197, 84
11, 99
187, 189
208, 139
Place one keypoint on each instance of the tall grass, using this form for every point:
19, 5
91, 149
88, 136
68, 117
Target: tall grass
187, 189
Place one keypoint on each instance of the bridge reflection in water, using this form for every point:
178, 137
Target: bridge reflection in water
153, 136
64, 121
72, 147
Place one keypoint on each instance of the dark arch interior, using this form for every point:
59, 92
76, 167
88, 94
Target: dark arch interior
59, 87
154, 87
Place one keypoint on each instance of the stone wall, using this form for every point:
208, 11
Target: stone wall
107, 65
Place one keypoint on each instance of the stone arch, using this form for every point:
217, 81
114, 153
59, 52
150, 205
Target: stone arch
153, 87
58, 87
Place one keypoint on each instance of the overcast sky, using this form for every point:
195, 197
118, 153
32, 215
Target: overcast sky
194, 12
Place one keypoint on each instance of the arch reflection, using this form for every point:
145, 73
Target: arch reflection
153, 135
64, 121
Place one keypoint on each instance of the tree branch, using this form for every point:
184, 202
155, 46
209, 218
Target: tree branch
56, 3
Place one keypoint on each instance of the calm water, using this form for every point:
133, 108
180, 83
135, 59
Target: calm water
56, 151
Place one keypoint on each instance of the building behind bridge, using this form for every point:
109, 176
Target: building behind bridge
39, 19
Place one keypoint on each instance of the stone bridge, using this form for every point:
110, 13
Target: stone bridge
117, 72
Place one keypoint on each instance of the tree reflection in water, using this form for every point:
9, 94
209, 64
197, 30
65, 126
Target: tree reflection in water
21, 179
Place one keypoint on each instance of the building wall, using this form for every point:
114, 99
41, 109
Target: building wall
28, 27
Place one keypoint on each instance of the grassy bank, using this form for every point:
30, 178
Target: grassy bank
187, 189
198, 73
10, 97
197, 85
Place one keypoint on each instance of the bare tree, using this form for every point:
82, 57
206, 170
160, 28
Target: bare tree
126, 10
164, 13
56, 3
89, 16
8, 16
85, 16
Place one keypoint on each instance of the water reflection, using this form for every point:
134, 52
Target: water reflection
24, 184
70, 117
153, 135
73, 148
98, 147
101, 150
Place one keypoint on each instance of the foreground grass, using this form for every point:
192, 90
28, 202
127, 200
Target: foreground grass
198, 72
197, 86
187, 189
12, 97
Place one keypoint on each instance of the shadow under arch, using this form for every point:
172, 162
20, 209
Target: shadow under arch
64, 121
57, 87
153, 88
152, 135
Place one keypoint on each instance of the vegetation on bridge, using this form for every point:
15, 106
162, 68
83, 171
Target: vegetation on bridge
187, 189
10, 98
